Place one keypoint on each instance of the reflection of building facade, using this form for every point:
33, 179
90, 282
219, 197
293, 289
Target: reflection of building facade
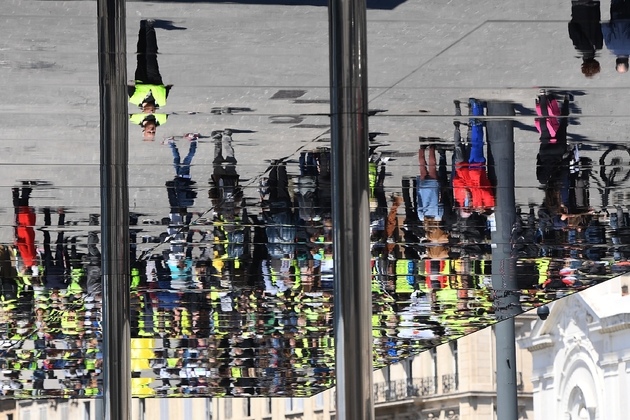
8, 410
453, 381
581, 355
54, 410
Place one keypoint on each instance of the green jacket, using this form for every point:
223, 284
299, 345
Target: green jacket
142, 91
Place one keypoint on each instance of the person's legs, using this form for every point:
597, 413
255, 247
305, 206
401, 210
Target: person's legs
92, 242
423, 164
228, 150
459, 154
561, 134
441, 171
410, 213
48, 258
312, 163
476, 107
432, 163
476, 151
185, 168
59, 254
153, 70
176, 158
283, 183
303, 169
324, 164
217, 137
141, 57
16, 198
47, 221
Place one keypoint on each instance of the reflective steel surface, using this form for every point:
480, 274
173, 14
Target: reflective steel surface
230, 232
349, 140
114, 215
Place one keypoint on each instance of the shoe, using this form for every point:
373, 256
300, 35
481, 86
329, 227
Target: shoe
192, 136
169, 141
216, 135
227, 132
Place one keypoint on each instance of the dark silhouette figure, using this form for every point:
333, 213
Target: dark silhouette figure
585, 31
617, 33
149, 92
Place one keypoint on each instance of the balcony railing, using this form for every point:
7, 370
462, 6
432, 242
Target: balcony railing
449, 383
403, 389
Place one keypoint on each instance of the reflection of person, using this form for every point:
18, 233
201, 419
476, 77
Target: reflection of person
182, 169
181, 196
24, 231
428, 186
55, 266
281, 226
585, 31
223, 149
472, 189
231, 234
180, 190
148, 93
553, 142
617, 33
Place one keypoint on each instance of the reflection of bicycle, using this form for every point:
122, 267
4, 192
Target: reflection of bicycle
615, 164
614, 170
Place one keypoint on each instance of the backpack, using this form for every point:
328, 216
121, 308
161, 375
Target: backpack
547, 108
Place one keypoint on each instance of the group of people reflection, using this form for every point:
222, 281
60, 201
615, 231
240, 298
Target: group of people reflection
237, 298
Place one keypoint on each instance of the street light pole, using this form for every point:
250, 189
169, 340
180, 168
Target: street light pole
351, 214
501, 142
112, 63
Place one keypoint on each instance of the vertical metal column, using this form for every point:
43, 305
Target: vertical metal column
114, 209
501, 140
349, 156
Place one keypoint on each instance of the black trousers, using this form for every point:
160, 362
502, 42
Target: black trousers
147, 69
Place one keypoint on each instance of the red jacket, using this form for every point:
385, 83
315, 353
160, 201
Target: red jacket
473, 180
26, 235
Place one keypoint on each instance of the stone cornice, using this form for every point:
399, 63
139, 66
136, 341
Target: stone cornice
537, 343
613, 323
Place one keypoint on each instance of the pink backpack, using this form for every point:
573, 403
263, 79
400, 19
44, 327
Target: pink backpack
548, 108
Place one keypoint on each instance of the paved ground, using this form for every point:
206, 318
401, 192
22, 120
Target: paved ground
422, 55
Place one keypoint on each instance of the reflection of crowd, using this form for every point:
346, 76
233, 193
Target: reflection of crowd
236, 302
237, 299
50, 308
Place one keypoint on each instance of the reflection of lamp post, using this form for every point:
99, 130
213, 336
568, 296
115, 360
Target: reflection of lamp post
351, 212
115, 210
500, 135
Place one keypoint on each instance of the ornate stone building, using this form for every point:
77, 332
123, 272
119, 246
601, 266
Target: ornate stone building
581, 355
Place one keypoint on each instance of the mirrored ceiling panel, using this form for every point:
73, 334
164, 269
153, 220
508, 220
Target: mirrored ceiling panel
230, 184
